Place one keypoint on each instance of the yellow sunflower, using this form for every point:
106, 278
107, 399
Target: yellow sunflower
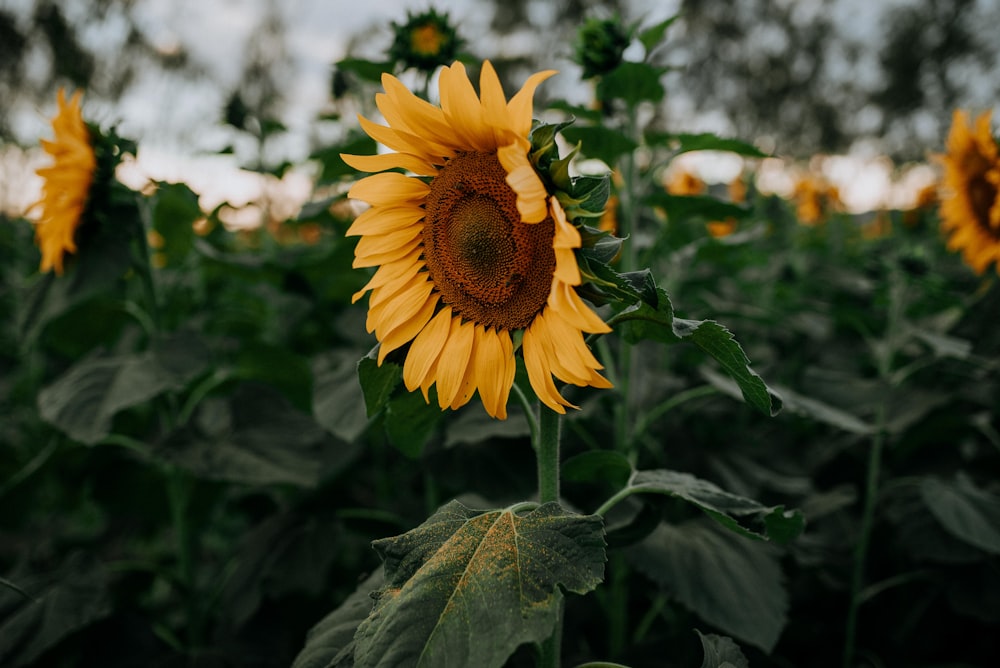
970, 203
473, 252
67, 183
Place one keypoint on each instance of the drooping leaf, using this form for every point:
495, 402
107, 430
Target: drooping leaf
964, 510
721, 652
84, 400
737, 513
644, 321
496, 572
331, 641
733, 584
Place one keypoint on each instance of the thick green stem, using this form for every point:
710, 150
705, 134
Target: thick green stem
864, 539
179, 490
547, 454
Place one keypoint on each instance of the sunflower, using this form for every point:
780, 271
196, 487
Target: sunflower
474, 254
67, 184
970, 203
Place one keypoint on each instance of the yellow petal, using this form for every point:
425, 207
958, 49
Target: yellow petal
391, 313
383, 219
564, 300
524, 180
407, 329
462, 108
520, 106
452, 364
423, 354
383, 161
392, 255
495, 366
539, 374
389, 189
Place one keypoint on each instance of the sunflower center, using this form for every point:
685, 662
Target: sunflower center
983, 196
489, 266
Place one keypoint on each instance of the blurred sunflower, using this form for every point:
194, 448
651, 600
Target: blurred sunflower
426, 41
67, 184
476, 255
814, 198
970, 203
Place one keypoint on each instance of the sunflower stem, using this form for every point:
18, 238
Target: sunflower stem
547, 455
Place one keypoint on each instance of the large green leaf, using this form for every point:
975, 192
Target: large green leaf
733, 584
84, 400
644, 320
737, 513
964, 510
175, 209
331, 641
378, 382
467, 587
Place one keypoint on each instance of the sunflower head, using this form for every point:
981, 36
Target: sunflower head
599, 46
82, 170
475, 244
426, 41
970, 197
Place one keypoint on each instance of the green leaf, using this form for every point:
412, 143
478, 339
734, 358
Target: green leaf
706, 141
731, 583
333, 167
257, 438
410, 421
633, 83
644, 321
964, 510
686, 207
600, 142
62, 603
721, 652
598, 466
338, 401
175, 209
369, 70
653, 35
87, 275
83, 401
377, 382
744, 516
802, 405
468, 587
331, 641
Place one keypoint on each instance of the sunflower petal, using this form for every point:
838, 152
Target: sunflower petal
451, 367
389, 189
383, 161
423, 354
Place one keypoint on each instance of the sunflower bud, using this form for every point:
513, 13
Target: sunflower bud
599, 46
425, 42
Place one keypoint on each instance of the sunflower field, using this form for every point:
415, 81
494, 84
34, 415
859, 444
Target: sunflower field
514, 387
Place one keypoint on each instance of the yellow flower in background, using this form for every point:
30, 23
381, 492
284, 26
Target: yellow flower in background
814, 198
67, 183
683, 182
472, 251
970, 201
718, 229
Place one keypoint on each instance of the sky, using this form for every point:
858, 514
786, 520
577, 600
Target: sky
176, 122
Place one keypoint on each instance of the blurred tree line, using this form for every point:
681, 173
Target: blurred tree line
814, 76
